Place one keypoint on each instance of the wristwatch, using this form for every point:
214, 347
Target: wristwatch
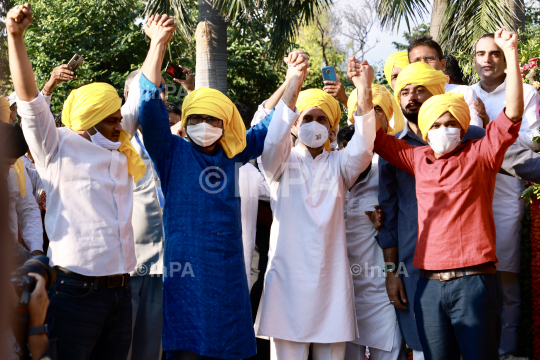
38, 330
390, 268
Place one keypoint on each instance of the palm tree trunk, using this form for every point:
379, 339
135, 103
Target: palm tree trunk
517, 8
437, 16
205, 68
218, 30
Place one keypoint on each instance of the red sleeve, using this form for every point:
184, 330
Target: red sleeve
501, 133
397, 152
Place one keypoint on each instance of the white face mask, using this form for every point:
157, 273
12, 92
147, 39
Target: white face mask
102, 141
444, 140
204, 134
313, 134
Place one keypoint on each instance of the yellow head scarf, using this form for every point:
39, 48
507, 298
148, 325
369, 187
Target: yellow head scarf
420, 73
90, 104
437, 105
19, 165
4, 110
399, 60
383, 98
311, 98
206, 101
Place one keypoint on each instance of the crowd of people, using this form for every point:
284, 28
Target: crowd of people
206, 231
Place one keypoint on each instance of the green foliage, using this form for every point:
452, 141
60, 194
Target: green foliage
466, 62
102, 31
417, 31
5, 5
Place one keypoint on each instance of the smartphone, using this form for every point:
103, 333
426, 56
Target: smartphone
328, 73
175, 71
75, 62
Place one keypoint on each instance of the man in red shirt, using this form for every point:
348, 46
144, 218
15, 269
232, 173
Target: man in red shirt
458, 299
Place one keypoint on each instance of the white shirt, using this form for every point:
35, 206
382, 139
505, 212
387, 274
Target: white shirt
375, 315
37, 185
23, 213
89, 196
508, 209
308, 291
470, 97
252, 187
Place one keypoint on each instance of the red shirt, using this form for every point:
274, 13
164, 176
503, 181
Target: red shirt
455, 195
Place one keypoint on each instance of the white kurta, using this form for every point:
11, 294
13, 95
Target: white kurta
375, 315
308, 292
470, 97
507, 208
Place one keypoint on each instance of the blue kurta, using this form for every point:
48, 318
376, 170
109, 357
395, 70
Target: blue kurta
206, 304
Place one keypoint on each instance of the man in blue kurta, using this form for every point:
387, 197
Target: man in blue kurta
206, 303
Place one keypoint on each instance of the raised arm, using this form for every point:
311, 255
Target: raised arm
508, 42
160, 29
277, 145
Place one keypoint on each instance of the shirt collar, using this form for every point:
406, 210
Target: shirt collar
408, 132
499, 88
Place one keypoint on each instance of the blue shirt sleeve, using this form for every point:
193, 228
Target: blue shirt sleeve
474, 133
388, 202
154, 121
255, 140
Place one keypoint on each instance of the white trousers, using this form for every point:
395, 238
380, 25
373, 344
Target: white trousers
358, 352
291, 350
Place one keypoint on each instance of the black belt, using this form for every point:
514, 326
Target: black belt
113, 281
445, 275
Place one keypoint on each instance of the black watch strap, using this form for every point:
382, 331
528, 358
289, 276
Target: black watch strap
37, 330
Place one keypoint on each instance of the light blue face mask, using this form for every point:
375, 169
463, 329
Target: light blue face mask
102, 141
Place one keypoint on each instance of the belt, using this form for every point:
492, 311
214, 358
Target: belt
445, 275
113, 281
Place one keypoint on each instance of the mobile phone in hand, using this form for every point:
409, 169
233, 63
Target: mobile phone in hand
75, 62
175, 71
329, 73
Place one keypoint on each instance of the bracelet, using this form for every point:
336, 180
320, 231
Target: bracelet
45, 92
37, 330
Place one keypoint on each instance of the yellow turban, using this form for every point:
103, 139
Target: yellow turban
4, 110
436, 106
399, 60
89, 105
206, 101
420, 73
383, 98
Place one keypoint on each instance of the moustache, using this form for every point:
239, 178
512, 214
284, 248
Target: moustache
414, 102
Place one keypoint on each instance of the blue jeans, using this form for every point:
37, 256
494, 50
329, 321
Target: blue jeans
89, 322
459, 316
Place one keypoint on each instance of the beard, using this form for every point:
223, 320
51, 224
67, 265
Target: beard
411, 115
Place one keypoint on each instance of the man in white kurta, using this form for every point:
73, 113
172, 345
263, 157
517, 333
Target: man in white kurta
308, 293
508, 209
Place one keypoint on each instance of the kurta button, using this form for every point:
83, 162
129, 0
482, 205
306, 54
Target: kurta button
218, 234
435, 167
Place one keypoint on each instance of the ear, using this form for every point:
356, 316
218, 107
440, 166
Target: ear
447, 79
443, 63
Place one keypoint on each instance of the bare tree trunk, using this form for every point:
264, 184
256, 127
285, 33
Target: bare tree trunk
517, 8
205, 69
218, 27
437, 15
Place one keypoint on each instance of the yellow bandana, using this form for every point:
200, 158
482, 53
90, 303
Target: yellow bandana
399, 60
89, 105
206, 101
436, 106
5, 112
383, 98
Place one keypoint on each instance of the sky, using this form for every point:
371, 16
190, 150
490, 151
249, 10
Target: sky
384, 48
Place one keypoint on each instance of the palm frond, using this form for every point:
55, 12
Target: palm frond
465, 21
391, 12
181, 11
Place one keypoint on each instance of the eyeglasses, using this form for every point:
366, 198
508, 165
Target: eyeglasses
426, 59
197, 119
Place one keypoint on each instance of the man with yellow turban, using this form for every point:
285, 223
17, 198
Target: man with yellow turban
206, 304
393, 66
88, 169
457, 303
307, 297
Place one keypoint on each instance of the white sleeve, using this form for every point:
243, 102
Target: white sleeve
48, 99
130, 110
277, 145
530, 122
261, 113
29, 218
470, 99
39, 129
358, 154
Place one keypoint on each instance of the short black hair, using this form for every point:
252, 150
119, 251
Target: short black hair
425, 41
173, 108
488, 35
453, 70
345, 134
245, 113
12, 139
